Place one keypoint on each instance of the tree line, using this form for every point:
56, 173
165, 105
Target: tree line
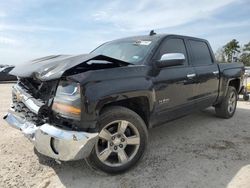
233, 52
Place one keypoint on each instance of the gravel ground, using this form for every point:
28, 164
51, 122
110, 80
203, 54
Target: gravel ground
199, 150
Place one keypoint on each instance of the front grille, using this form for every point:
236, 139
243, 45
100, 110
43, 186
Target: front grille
32, 100
39, 90
24, 111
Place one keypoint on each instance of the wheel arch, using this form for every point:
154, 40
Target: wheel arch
235, 83
140, 105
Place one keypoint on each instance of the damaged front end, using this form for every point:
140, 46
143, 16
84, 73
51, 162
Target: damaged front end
32, 114
47, 107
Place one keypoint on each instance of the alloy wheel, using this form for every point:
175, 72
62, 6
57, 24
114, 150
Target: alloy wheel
118, 143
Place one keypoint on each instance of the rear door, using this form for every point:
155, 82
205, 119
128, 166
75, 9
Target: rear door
207, 73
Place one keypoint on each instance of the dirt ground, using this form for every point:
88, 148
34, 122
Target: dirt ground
199, 150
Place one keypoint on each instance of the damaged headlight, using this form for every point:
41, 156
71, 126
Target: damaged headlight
67, 102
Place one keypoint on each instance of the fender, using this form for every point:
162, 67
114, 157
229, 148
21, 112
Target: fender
227, 75
101, 87
122, 93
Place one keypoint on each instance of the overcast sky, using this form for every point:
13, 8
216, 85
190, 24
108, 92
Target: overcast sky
36, 28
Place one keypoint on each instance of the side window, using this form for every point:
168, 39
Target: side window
200, 53
173, 46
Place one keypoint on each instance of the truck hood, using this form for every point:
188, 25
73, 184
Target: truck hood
56, 66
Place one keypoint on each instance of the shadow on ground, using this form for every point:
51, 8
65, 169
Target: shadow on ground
199, 150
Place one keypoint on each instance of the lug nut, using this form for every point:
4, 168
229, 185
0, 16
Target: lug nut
113, 138
122, 139
118, 136
120, 145
115, 148
111, 144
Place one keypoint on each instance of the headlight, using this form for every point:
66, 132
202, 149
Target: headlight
67, 102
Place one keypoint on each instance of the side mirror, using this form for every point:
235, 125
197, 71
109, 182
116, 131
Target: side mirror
170, 59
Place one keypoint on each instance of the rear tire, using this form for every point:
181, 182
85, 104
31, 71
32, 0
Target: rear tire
245, 97
227, 107
122, 140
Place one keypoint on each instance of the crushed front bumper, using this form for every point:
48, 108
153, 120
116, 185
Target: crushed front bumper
52, 141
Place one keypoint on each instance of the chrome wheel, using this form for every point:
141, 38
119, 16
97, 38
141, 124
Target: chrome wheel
118, 143
232, 103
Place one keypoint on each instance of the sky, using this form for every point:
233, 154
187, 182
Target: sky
35, 28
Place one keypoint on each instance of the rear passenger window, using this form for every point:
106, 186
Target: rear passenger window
200, 53
173, 46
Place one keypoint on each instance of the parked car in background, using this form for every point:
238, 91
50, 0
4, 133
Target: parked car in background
247, 71
246, 89
4, 75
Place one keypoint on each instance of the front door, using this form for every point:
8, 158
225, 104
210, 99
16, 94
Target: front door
173, 85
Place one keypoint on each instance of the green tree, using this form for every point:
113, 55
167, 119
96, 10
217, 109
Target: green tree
231, 48
245, 56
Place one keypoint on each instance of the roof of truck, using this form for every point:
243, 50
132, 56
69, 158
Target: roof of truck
157, 37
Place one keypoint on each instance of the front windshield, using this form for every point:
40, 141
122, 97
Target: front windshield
131, 51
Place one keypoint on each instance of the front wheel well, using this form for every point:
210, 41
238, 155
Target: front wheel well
140, 105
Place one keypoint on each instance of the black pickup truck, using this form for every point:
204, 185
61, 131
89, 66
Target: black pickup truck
100, 106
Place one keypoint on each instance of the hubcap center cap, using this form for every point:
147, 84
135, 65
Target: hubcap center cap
117, 141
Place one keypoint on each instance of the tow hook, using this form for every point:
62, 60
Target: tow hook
58, 162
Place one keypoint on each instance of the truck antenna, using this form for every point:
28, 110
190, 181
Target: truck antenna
152, 32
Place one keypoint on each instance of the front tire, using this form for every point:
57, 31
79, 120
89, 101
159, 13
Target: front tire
122, 140
227, 107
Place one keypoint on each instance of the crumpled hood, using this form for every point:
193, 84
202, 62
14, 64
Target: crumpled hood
53, 67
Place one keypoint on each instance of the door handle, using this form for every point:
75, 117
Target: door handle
216, 72
190, 76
